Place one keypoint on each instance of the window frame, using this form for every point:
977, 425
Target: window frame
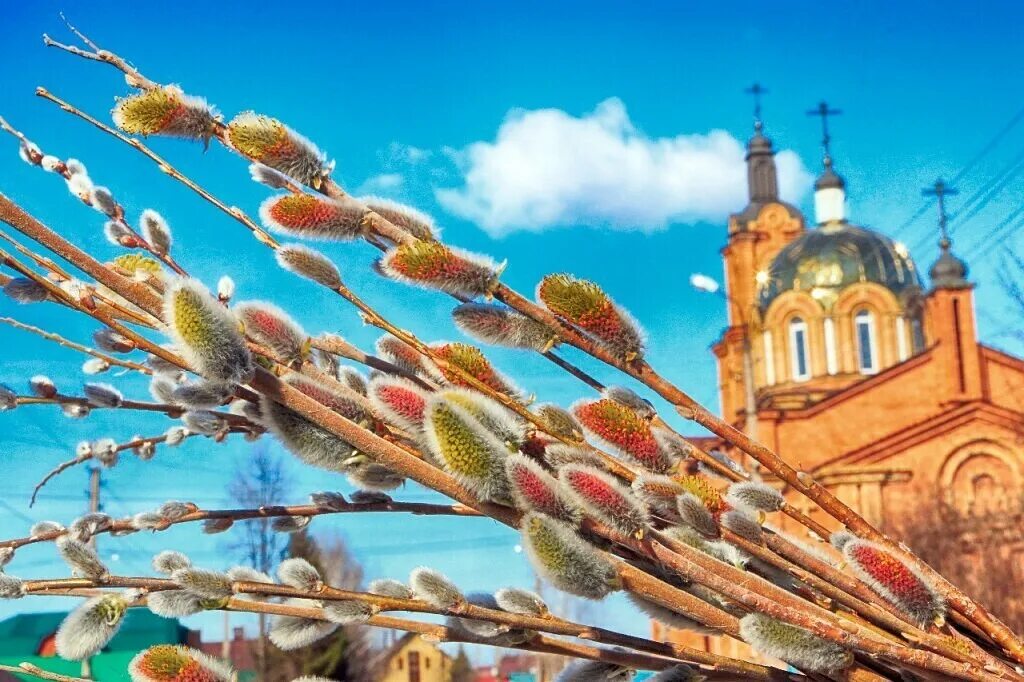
866, 318
798, 329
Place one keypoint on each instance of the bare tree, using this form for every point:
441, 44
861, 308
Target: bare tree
344, 656
259, 481
954, 542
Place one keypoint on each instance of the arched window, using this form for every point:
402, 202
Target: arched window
831, 357
867, 352
800, 368
769, 359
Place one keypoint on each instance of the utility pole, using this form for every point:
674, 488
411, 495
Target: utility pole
94, 506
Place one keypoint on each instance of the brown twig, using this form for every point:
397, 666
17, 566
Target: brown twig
60, 340
271, 511
137, 240
687, 407
35, 671
550, 623
370, 315
399, 460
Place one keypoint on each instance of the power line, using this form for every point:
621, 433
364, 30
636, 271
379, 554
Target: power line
998, 235
1010, 125
990, 191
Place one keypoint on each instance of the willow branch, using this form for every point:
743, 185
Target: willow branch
636, 580
338, 346
691, 409
35, 671
370, 315
61, 341
269, 512
81, 459
550, 623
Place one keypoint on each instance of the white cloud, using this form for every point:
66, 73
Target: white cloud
407, 154
385, 183
547, 168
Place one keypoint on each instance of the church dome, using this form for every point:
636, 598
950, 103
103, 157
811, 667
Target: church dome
949, 272
826, 260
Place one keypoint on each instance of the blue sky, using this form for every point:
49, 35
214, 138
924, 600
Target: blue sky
413, 99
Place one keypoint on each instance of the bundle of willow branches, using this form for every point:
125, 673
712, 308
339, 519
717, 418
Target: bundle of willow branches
606, 496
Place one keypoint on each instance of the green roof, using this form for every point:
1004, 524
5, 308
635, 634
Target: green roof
21, 635
107, 667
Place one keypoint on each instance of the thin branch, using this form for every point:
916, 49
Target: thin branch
370, 315
550, 623
35, 671
402, 462
60, 340
690, 409
268, 512
137, 240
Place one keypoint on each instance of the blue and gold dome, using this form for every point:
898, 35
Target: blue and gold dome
826, 260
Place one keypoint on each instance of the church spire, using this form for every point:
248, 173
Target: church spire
830, 188
762, 178
948, 272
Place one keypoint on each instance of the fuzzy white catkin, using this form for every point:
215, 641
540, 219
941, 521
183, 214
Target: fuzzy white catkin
156, 231
80, 186
593, 671
175, 435
95, 366
82, 559
214, 526
225, 288
169, 561
348, 612
515, 600
246, 574
173, 509
435, 588
300, 574
11, 587
480, 628
147, 520
755, 495
291, 632
42, 386
388, 587
89, 627
329, 500
41, 528
202, 582
174, 603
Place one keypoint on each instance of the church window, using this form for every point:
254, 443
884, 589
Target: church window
831, 358
769, 359
800, 370
867, 353
902, 349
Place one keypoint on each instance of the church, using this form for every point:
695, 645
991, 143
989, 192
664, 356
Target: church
842, 357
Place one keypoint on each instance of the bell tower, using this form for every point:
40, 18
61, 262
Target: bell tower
756, 234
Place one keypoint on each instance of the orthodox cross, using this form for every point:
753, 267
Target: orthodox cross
824, 112
756, 91
940, 190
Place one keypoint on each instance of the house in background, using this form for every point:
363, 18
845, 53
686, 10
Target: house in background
29, 637
413, 659
515, 668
